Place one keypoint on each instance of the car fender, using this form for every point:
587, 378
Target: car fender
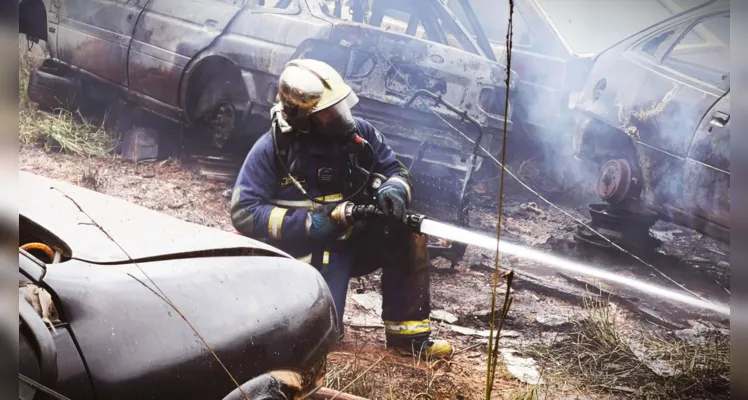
259, 53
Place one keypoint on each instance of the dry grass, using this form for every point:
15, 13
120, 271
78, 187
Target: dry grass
526, 392
601, 355
378, 374
91, 178
62, 130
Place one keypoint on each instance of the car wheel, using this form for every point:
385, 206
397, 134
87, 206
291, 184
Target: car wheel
52, 87
220, 108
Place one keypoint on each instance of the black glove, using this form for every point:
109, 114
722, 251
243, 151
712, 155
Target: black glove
320, 225
393, 200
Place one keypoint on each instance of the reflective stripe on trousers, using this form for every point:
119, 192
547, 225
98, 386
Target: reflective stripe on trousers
407, 327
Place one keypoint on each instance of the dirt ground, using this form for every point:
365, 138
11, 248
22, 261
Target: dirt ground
544, 304
547, 304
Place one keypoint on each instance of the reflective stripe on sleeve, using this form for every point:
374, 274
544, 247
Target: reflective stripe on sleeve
275, 222
307, 258
326, 257
407, 327
306, 204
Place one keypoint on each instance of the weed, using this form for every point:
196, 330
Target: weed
62, 130
91, 178
603, 355
525, 392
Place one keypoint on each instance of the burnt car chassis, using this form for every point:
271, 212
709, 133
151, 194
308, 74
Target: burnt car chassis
454, 251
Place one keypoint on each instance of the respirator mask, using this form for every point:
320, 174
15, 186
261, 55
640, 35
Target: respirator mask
336, 124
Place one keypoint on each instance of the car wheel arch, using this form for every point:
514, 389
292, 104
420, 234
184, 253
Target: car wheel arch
198, 73
600, 140
33, 19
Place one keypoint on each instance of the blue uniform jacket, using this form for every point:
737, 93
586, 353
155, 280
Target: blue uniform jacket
265, 205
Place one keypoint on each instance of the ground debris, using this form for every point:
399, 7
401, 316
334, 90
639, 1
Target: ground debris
484, 333
371, 301
445, 316
553, 320
140, 144
700, 332
524, 369
531, 206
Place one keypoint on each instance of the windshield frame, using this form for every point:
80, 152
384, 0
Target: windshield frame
437, 10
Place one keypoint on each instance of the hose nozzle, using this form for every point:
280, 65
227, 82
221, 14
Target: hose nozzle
347, 213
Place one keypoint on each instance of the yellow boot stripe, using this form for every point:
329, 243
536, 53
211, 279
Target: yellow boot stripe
407, 327
275, 222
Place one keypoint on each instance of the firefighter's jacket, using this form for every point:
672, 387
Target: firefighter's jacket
265, 205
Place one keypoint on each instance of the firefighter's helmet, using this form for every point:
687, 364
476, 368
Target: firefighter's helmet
311, 89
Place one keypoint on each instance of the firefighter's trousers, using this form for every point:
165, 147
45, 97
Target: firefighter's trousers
404, 260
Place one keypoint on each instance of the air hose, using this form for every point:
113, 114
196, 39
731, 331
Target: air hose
359, 141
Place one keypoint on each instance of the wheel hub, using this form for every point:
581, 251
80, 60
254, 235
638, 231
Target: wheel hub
614, 184
222, 124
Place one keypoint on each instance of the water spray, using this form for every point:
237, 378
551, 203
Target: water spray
347, 213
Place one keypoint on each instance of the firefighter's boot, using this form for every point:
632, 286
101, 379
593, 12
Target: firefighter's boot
423, 348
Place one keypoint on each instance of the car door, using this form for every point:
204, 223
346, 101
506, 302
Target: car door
706, 179
94, 35
167, 36
669, 94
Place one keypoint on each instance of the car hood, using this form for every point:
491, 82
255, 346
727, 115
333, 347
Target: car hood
128, 231
256, 313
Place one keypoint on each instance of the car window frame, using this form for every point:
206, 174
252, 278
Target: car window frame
248, 4
433, 15
725, 86
680, 27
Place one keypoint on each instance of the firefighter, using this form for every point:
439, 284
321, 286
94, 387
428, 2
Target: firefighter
317, 152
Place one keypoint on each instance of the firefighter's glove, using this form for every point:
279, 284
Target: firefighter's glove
393, 198
320, 225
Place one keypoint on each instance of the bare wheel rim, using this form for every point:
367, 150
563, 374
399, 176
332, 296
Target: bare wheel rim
222, 124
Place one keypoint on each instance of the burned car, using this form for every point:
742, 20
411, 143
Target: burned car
214, 64
654, 117
554, 43
103, 274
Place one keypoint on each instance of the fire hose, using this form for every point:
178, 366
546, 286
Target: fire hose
347, 213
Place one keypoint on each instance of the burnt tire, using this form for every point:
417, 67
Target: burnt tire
51, 88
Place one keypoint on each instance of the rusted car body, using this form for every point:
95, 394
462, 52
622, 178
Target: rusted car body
215, 63
655, 115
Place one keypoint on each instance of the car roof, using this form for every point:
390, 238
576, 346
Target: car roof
699, 10
131, 232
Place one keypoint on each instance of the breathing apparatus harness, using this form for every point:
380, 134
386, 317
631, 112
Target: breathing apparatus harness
346, 213
353, 144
